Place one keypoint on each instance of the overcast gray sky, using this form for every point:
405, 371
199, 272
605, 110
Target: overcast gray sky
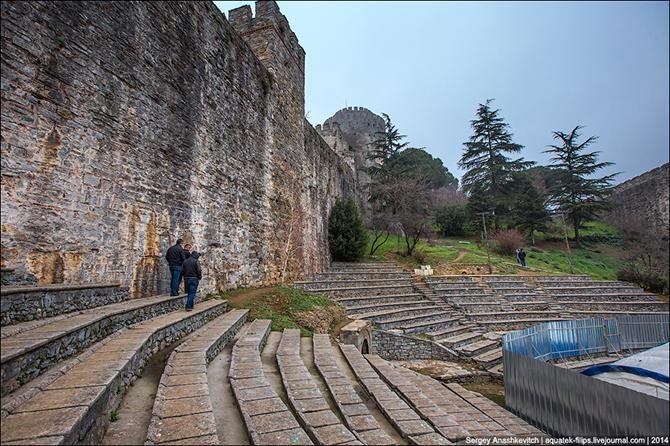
548, 65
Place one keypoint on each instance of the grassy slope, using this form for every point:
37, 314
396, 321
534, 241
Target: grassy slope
600, 260
288, 308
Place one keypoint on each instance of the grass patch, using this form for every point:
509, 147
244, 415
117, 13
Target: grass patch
289, 308
599, 260
489, 389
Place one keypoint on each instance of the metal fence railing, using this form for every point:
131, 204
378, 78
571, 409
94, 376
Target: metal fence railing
585, 337
563, 402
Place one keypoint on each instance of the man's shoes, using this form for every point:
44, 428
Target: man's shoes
174, 294
189, 309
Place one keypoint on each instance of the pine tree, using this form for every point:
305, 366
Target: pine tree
346, 235
529, 212
388, 143
489, 171
574, 191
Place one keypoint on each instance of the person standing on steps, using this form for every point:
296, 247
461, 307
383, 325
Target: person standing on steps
516, 255
175, 257
192, 275
522, 257
187, 254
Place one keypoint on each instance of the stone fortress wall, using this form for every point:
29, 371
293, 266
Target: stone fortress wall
643, 203
128, 124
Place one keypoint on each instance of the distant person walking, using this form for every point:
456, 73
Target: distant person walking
175, 257
192, 275
522, 257
516, 255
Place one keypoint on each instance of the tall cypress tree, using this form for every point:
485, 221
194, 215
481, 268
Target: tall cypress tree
489, 169
575, 191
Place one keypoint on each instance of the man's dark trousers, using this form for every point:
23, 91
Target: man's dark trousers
175, 273
191, 288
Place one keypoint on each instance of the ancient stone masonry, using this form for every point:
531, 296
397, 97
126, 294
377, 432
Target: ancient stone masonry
643, 203
128, 124
351, 132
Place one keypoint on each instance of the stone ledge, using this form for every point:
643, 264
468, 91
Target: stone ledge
4, 291
89, 419
33, 303
27, 355
201, 347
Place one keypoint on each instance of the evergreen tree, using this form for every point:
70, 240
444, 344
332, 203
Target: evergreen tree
529, 212
346, 234
388, 143
574, 191
489, 169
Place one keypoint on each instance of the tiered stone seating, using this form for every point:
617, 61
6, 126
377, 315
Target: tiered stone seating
403, 417
306, 399
27, 303
72, 404
30, 348
356, 414
183, 410
266, 417
390, 303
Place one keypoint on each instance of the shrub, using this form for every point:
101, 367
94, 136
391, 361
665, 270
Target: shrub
420, 257
649, 280
346, 234
506, 242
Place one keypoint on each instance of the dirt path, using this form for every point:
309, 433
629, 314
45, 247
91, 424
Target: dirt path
229, 424
461, 254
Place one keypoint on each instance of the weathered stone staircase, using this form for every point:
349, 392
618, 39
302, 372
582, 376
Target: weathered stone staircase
286, 389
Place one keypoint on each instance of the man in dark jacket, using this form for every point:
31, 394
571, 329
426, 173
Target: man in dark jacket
192, 275
175, 257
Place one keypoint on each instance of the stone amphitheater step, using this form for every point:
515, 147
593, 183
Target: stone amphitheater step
461, 339
267, 419
479, 347
510, 422
388, 306
616, 305
402, 321
366, 291
490, 358
72, 404
438, 335
595, 290
356, 414
373, 300
390, 269
558, 279
510, 315
401, 415
438, 323
27, 303
518, 324
364, 264
459, 298
585, 314
607, 296
414, 312
479, 307
29, 348
443, 291
335, 284
304, 396
361, 276
466, 413
182, 409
